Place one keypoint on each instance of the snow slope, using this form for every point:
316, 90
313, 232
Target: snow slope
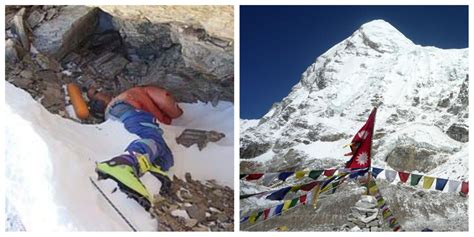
49, 161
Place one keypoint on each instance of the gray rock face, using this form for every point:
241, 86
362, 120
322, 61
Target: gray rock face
458, 132
64, 33
250, 149
409, 158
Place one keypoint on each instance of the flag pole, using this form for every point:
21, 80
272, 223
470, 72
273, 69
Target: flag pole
369, 173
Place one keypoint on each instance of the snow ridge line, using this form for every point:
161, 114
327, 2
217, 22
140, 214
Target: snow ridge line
113, 206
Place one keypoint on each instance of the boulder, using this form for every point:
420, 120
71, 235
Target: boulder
62, 34
411, 157
458, 132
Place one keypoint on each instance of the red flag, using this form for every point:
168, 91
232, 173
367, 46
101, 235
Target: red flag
253, 176
265, 213
403, 176
361, 144
303, 199
465, 187
329, 172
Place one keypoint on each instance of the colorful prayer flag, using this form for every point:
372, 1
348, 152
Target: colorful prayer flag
390, 175
309, 186
427, 182
314, 174
415, 179
300, 174
403, 176
361, 144
440, 183
242, 176
303, 198
286, 205
329, 172
295, 188
279, 194
284, 175
453, 185
253, 176
294, 201
268, 178
278, 209
252, 218
265, 213
376, 171
258, 215
465, 187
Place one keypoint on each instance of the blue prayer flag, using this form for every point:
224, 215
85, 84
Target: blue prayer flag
440, 183
376, 171
279, 194
283, 176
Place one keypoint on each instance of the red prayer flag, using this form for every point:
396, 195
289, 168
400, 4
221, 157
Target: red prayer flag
403, 176
303, 199
329, 172
253, 176
265, 213
465, 187
361, 144
309, 186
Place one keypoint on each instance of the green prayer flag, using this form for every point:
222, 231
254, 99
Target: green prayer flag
258, 215
294, 201
314, 174
415, 179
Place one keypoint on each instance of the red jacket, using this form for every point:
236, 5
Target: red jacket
154, 100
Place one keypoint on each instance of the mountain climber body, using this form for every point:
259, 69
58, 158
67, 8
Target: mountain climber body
140, 109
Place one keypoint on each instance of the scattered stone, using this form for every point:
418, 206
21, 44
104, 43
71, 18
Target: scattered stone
26, 74
190, 137
20, 29
191, 222
11, 51
47, 63
196, 213
35, 18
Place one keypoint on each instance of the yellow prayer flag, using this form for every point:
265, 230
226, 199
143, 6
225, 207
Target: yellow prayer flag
252, 218
286, 205
314, 200
427, 182
300, 174
295, 188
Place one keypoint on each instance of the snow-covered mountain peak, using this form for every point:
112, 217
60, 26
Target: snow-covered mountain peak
382, 36
423, 88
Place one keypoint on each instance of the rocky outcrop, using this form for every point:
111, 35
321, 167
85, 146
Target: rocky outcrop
62, 34
410, 158
458, 132
250, 148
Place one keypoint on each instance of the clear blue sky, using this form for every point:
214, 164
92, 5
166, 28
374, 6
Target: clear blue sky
278, 43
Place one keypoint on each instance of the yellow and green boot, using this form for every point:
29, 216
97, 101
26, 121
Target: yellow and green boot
125, 170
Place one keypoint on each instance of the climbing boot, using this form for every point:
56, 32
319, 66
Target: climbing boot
123, 170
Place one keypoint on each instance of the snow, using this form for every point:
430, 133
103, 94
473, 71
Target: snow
50, 160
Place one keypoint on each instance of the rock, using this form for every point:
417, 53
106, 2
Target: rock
136, 69
250, 148
21, 30
26, 74
458, 132
201, 228
190, 137
23, 83
196, 213
332, 137
180, 213
47, 63
51, 12
59, 36
109, 65
191, 222
410, 158
12, 51
444, 103
35, 18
